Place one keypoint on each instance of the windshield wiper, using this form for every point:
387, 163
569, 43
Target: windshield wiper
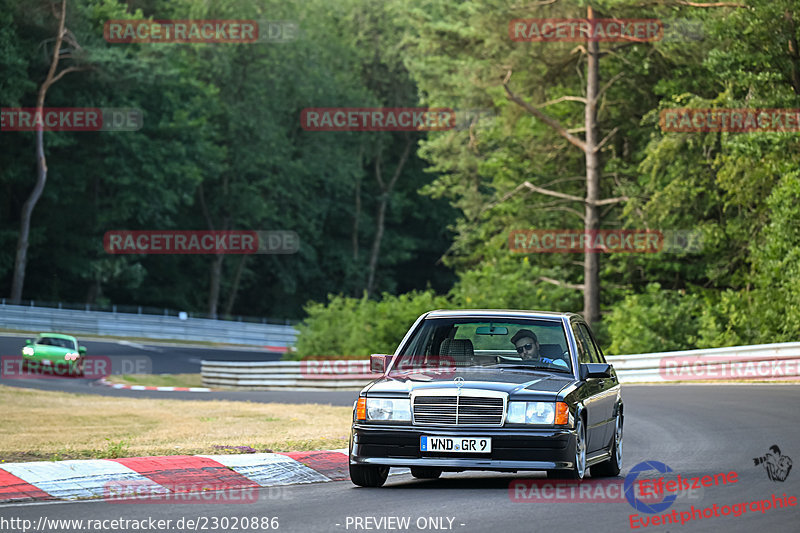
532, 367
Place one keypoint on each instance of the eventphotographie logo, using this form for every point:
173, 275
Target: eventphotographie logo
777, 465
644, 505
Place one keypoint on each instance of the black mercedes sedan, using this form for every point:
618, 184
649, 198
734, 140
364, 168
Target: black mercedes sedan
490, 390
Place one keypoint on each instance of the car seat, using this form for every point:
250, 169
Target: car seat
461, 350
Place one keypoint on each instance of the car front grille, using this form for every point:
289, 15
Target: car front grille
459, 409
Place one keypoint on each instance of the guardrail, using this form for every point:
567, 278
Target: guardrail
77, 322
760, 362
287, 375
763, 362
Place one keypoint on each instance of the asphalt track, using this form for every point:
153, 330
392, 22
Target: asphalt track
167, 359
696, 430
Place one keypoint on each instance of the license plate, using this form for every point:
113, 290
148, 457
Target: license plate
455, 444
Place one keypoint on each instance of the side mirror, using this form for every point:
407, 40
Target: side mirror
82, 350
379, 362
595, 370
28, 342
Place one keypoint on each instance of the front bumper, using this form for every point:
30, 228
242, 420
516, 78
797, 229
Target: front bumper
50, 363
512, 449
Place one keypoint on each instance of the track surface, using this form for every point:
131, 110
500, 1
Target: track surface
169, 359
166, 359
696, 430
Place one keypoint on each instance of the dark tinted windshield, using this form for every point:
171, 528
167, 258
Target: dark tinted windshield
55, 341
466, 342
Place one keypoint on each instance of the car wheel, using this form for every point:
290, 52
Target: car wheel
579, 470
369, 475
425, 472
612, 467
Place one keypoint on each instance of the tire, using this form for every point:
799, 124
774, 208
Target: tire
578, 471
368, 475
425, 472
612, 467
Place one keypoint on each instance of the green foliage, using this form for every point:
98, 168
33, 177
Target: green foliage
511, 283
222, 148
114, 450
354, 328
654, 321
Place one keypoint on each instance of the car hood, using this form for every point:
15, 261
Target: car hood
507, 380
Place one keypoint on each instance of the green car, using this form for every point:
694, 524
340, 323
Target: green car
54, 353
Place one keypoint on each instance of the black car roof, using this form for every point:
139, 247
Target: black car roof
497, 313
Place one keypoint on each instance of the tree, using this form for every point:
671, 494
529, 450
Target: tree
53, 75
590, 146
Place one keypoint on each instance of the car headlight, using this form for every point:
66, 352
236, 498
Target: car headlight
543, 413
71, 356
387, 409
27, 350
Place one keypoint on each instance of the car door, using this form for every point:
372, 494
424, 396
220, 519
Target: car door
591, 395
606, 389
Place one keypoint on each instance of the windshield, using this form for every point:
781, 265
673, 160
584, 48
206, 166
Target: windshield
56, 341
442, 343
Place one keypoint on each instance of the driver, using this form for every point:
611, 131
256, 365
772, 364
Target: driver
527, 346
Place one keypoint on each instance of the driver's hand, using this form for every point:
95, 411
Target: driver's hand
546, 360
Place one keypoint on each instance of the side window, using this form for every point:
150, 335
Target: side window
600, 357
594, 356
584, 356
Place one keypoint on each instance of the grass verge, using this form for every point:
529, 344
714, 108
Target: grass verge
157, 380
45, 425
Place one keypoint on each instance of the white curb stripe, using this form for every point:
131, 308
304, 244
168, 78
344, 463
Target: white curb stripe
121, 386
269, 469
79, 479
